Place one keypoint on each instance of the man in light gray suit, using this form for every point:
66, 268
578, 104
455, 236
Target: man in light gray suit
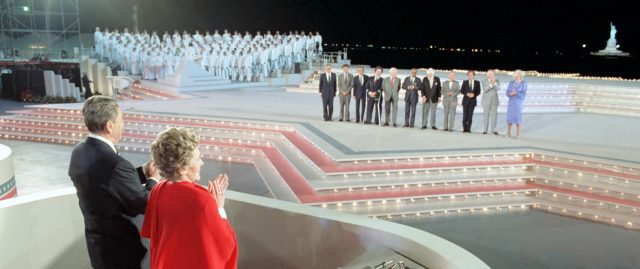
450, 92
390, 89
490, 101
345, 85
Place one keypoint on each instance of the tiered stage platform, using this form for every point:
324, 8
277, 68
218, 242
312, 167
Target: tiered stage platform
561, 165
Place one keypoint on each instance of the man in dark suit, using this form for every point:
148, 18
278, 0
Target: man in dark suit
431, 92
411, 85
86, 83
109, 188
360, 82
470, 90
328, 92
374, 98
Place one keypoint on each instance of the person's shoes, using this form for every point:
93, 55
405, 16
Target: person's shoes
394, 125
325, 119
434, 128
496, 133
484, 133
357, 121
348, 120
405, 125
411, 126
367, 122
386, 124
446, 130
423, 127
329, 119
450, 130
340, 120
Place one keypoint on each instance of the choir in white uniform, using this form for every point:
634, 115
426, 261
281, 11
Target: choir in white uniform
232, 56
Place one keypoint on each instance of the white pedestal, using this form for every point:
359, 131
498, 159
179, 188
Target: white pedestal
49, 83
7, 178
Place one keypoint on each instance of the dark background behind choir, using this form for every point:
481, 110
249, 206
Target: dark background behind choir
542, 35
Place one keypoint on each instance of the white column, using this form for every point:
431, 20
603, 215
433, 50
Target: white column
49, 85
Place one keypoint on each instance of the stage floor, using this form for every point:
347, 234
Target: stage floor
588, 136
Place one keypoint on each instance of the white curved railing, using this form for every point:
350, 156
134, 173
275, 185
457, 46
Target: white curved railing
45, 230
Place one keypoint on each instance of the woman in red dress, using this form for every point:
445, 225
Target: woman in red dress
185, 222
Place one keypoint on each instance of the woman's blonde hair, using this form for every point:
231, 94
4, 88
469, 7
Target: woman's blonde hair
173, 150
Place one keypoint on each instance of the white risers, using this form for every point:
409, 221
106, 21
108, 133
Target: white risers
191, 77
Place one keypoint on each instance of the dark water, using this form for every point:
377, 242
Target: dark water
535, 239
549, 62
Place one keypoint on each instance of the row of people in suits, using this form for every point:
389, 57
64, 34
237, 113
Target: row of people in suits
370, 93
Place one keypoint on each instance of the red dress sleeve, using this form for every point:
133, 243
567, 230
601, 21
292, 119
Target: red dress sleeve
221, 235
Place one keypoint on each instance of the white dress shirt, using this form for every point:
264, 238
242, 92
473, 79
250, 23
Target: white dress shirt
107, 141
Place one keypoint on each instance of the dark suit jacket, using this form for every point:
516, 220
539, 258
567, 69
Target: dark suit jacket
375, 86
432, 93
360, 88
467, 89
109, 189
411, 95
328, 87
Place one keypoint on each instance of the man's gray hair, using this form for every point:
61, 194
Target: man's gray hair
430, 71
98, 110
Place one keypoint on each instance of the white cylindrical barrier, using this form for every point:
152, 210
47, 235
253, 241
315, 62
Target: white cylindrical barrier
7, 178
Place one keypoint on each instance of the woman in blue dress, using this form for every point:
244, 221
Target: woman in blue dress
516, 91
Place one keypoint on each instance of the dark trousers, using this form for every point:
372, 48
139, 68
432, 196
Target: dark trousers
327, 107
371, 106
360, 105
467, 116
410, 112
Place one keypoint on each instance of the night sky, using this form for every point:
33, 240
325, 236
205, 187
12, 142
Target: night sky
514, 27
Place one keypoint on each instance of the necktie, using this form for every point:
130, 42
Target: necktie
391, 83
411, 80
471, 84
345, 78
361, 81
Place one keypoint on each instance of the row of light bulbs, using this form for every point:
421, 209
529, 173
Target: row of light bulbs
413, 199
158, 92
371, 188
173, 119
446, 212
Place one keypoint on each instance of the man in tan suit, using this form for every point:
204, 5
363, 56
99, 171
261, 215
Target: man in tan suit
390, 89
345, 85
450, 92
